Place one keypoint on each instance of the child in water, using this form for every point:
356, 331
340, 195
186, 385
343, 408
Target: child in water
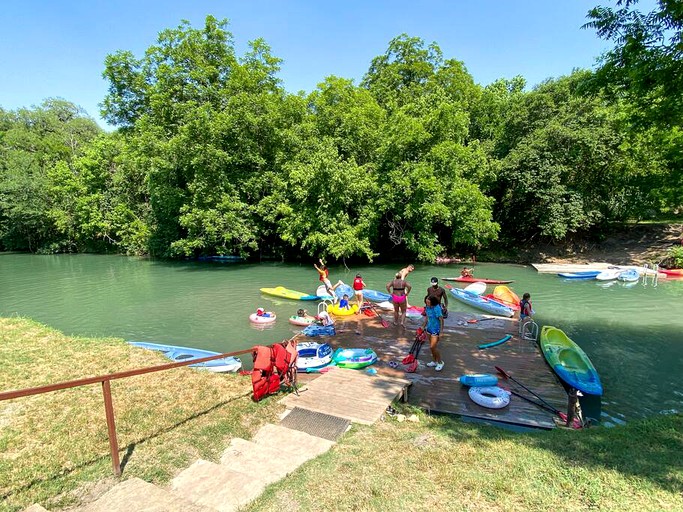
262, 312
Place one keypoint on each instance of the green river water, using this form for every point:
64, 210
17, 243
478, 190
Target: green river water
633, 334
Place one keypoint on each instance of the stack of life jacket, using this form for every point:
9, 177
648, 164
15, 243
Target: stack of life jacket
273, 366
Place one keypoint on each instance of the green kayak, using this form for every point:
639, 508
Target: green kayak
569, 361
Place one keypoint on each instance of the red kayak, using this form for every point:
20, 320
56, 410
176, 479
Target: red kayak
475, 280
672, 272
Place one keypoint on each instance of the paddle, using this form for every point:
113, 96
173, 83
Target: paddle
382, 320
508, 376
575, 424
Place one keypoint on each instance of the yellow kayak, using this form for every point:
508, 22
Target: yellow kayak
285, 293
337, 311
506, 295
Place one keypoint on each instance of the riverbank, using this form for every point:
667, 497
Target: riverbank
55, 452
624, 244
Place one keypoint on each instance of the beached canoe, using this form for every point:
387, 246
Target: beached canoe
475, 301
476, 279
179, 354
569, 361
672, 272
375, 295
285, 293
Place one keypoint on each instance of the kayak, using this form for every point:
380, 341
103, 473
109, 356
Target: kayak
477, 288
312, 355
609, 274
476, 279
354, 357
506, 296
672, 272
336, 310
375, 296
179, 354
569, 361
587, 274
475, 301
630, 276
478, 379
285, 293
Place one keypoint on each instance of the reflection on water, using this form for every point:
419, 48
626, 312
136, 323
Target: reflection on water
631, 331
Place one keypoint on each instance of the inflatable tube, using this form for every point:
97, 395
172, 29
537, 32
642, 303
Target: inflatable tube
319, 330
312, 355
491, 397
254, 318
354, 357
505, 338
337, 311
301, 320
478, 380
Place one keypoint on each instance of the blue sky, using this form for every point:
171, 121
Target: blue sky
53, 48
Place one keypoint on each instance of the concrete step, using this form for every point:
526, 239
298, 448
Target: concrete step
216, 486
139, 496
270, 464
296, 443
35, 508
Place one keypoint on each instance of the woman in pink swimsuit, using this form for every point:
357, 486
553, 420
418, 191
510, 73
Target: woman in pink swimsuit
399, 289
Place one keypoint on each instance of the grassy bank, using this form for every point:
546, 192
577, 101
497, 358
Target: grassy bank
53, 448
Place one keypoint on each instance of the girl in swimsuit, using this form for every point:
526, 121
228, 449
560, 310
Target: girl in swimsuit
399, 289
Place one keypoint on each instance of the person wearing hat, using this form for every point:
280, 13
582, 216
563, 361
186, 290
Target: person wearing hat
399, 289
437, 291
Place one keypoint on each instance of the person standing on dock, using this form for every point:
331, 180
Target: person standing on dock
399, 289
358, 286
433, 324
437, 291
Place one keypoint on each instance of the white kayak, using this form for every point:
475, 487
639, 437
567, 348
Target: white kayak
477, 288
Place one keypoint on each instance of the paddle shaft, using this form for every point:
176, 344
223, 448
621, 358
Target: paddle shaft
382, 320
508, 376
542, 406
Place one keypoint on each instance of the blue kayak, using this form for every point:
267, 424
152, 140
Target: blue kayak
319, 330
479, 302
179, 354
479, 379
375, 296
629, 276
587, 274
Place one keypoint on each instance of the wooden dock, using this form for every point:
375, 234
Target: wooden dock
441, 392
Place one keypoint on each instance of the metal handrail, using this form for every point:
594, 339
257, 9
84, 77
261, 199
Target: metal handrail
106, 390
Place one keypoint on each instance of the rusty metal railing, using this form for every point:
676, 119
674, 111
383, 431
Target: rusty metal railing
106, 390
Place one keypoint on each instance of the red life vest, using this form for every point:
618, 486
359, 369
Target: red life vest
323, 277
273, 366
358, 283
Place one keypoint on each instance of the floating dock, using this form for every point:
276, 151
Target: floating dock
441, 392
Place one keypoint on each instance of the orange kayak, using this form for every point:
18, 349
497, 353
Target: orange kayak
505, 296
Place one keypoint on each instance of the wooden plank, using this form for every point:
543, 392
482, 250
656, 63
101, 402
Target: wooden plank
349, 394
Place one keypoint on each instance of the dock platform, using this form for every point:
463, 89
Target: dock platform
441, 392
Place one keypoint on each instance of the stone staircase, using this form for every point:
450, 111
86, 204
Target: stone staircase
245, 469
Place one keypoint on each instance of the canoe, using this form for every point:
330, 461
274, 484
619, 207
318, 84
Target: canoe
476, 279
477, 288
375, 296
475, 301
337, 311
587, 274
354, 357
285, 293
179, 354
569, 361
312, 355
629, 276
478, 379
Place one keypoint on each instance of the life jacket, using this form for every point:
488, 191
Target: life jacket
522, 307
358, 283
273, 366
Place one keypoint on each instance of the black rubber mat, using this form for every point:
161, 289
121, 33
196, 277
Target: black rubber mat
315, 423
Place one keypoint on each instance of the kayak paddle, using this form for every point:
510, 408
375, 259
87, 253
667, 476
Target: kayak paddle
508, 376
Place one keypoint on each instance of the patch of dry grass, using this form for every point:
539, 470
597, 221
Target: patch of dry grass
55, 445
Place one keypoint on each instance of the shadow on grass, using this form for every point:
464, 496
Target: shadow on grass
128, 449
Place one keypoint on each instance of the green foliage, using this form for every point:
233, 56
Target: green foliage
675, 257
